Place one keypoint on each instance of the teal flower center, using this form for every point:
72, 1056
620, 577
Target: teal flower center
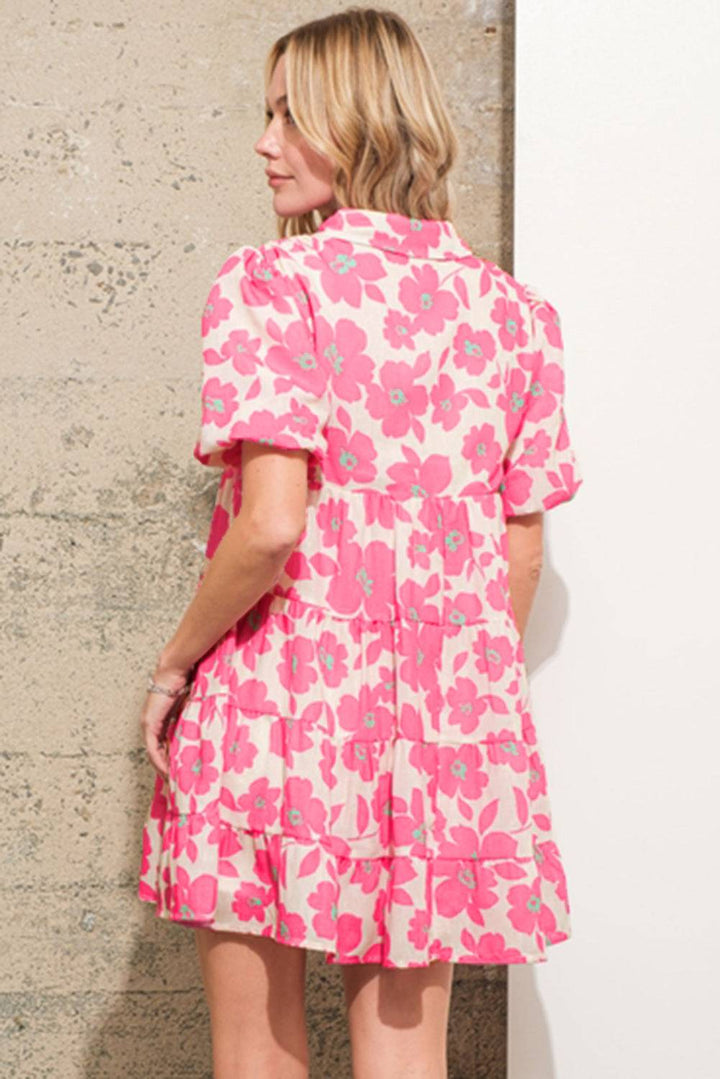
348, 460
365, 581
343, 264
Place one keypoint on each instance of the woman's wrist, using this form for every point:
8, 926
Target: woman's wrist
169, 672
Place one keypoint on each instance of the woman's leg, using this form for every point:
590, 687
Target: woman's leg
255, 989
398, 1020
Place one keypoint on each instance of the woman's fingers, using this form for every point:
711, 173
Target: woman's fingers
155, 725
157, 752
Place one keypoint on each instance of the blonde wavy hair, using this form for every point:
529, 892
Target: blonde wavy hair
362, 91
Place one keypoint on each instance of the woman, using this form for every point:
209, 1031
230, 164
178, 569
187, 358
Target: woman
350, 764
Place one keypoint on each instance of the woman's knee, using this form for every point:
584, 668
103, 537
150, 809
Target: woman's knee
398, 1019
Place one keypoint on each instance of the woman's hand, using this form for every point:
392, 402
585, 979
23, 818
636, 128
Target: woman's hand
157, 714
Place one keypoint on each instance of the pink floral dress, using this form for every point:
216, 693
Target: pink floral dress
356, 768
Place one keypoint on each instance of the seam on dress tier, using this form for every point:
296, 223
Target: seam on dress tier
401, 619
314, 723
451, 497
329, 843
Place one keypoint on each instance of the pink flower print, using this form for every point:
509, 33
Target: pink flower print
328, 754
264, 427
536, 775
302, 814
516, 485
239, 752
419, 929
549, 319
473, 348
382, 806
466, 705
398, 330
420, 645
429, 477
527, 911
366, 872
296, 671
219, 402
447, 402
258, 803
242, 351
185, 826
409, 237
545, 389
513, 403
550, 867
350, 458
194, 768
333, 520
365, 581
349, 933
364, 716
419, 547
345, 269
488, 948
505, 748
342, 348
468, 887
193, 899
482, 450
290, 735
148, 846
267, 861
535, 451
332, 656
295, 358
495, 655
361, 756
250, 902
464, 608
217, 309
415, 599
159, 803
437, 951
301, 421
422, 295
497, 593
400, 871
289, 927
511, 327
228, 844
459, 771
323, 900
400, 399
410, 829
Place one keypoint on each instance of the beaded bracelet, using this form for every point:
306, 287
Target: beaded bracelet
154, 687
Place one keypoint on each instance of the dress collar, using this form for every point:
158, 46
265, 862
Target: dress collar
404, 236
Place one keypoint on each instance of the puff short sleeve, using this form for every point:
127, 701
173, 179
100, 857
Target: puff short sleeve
540, 468
262, 379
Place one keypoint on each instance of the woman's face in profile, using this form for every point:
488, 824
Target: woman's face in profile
307, 185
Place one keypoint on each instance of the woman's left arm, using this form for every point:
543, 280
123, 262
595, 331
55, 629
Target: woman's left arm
249, 558
246, 563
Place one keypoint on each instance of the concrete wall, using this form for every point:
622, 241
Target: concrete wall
129, 176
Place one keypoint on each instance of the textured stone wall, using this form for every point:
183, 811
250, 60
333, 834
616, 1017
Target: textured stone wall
129, 175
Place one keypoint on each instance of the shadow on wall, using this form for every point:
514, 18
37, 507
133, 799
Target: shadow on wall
530, 1050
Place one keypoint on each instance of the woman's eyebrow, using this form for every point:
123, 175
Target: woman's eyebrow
280, 101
